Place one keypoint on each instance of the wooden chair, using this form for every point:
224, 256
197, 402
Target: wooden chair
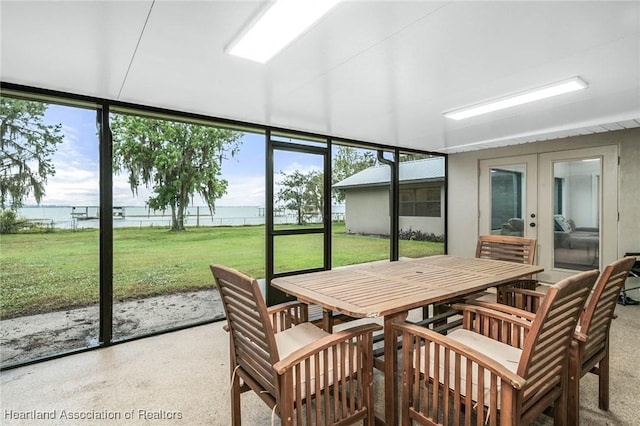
506, 247
499, 367
590, 346
510, 249
303, 373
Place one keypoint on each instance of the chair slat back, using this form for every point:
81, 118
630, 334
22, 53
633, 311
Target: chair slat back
598, 313
253, 345
545, 350
506, 247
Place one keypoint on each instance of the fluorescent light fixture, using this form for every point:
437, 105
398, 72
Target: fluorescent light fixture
277, 26
547, 91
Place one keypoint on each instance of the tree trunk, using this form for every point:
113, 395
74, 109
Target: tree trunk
174, 222
177, 212
300, 218
177, 218
180, 218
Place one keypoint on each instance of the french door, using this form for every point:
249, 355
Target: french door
567, 200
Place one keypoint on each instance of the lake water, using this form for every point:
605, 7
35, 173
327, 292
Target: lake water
69, 217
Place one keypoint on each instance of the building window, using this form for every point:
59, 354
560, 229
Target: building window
423, 202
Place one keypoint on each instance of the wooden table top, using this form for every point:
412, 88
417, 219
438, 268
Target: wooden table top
384, 288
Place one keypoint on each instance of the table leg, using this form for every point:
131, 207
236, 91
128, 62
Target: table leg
327, 320
391, 367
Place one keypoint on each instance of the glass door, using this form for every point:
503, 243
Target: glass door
567, 200
298, 208
578, 195
508, 203
576, 213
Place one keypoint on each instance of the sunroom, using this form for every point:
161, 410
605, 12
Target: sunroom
102, 249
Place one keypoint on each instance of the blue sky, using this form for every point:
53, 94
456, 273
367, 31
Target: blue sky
76, 181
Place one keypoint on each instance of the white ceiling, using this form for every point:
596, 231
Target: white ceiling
374, 71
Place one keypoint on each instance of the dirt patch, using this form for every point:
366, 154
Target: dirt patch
35, 336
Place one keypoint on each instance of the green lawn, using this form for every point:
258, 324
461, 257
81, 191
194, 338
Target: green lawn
50, 271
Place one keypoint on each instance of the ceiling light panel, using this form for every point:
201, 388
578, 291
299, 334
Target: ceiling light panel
547, 91
277, 26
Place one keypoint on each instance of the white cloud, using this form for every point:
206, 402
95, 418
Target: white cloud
122, 195
76, 178
302, 168
70, 133
244, 191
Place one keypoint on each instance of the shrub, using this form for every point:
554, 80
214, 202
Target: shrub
8, 222
420, 236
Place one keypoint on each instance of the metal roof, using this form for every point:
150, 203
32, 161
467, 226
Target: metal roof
429, 169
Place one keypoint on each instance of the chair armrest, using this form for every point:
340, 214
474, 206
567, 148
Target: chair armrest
285, 315
580, 337
523, 283
501, 307
523, 298
527, 292
410, 332
363, 333
509, 328
285, 306
505, 297
505, 313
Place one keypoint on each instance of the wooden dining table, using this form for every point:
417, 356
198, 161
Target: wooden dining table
391, 289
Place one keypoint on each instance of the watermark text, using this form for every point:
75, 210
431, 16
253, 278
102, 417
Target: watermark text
90, 415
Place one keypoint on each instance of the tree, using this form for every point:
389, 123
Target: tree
303, 193
175, 160
27, 145
347, 162
314, 194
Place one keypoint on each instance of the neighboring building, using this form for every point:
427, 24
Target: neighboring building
421, 198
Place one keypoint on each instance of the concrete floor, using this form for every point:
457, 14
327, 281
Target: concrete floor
183, 378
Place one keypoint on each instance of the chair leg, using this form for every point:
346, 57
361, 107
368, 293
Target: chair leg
573, 397
560, 412
236, 419
603, 381
501, 294
560, 405
369, 401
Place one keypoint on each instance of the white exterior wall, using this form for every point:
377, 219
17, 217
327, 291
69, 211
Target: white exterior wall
463, 186
367, 211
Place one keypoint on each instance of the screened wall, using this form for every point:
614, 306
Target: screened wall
113, 212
